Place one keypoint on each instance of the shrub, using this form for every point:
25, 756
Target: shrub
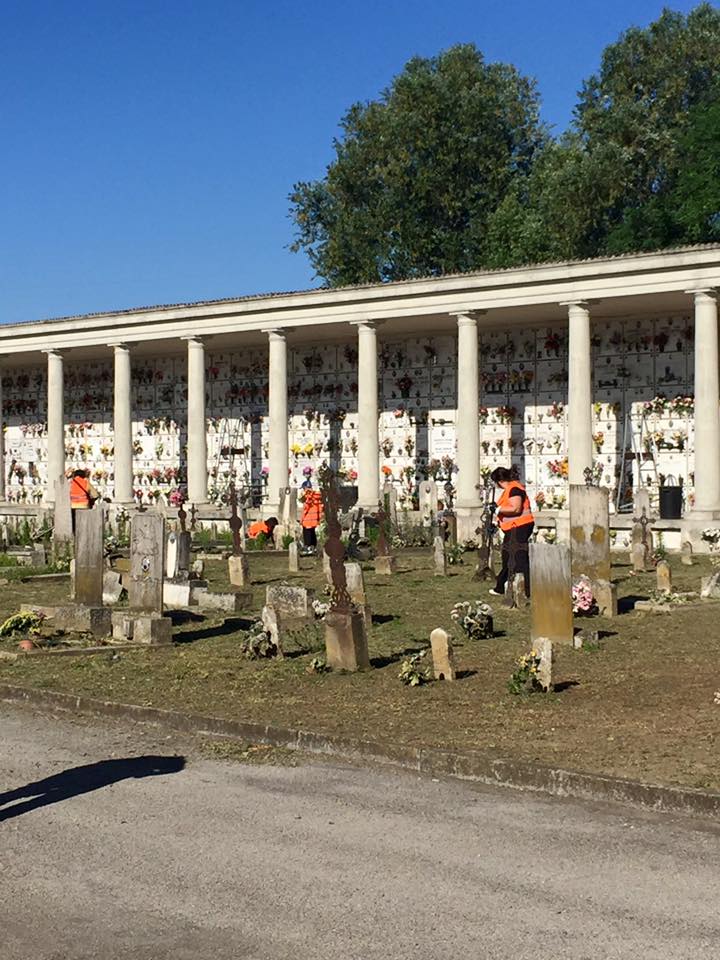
412, 673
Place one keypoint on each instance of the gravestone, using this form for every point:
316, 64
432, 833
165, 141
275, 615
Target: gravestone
356, 588
442, 654
663, 577
271, 626
147, 563
389, 499
293, 557
112, 587
62, 518
345, 633
543, 647
551, 602
686, 554
428, 500
238, 568
710, 586
171, 557
291, 603
384, 561
641, 502
439, 557
641, 546
590, 543
518, 591
89, 557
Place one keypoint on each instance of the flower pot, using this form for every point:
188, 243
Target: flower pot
26, 644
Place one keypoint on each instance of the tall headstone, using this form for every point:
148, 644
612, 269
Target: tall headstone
294, 557
590, 543
428, 499
389, 496
147, 562
171, 557
62, 518
89, 557
551, 601
439, 557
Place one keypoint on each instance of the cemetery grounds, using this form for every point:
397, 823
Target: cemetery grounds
641, 704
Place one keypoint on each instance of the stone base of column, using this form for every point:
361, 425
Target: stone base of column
692, 527
469, 518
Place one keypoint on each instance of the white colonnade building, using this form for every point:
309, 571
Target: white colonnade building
608, 364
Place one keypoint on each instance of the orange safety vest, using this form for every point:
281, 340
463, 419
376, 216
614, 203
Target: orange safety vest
79, 493
255, 529
508, 523
312, 509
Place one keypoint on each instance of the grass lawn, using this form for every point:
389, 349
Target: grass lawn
641, 705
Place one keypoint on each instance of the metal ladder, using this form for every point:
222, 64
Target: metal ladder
644, 462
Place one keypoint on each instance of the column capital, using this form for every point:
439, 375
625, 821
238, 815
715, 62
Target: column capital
366, 324
54, 352
467, 316
197, 340
579, 303
704, 294
277, 333
119, 345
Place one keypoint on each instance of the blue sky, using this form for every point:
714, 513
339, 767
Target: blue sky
149, 147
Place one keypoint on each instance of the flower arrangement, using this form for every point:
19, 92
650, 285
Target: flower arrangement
506, 414
583, 601
474, 619
682, 406
553, 342
540, 500
404, 385
307, 471
176, 497
598, 440
524, 678
386, 470
558, 468
412, 674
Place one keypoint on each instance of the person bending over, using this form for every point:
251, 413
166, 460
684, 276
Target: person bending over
516, 520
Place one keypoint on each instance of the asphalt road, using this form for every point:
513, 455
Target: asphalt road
208, 860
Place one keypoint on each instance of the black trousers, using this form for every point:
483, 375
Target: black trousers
309, 536
515, 554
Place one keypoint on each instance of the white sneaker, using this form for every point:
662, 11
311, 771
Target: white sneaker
496, 593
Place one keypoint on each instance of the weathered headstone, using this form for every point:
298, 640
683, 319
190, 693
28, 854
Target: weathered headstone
442, 654
356, 588
590, 543
271, 626
290, 602
439, 557
62, 518
686, 554
239, 570
345, 634
641, 545
293, 557
710, 586
89, 557
147, 556
641, 502
519, 591
112, 587
428, 499
389, 497
663, 576
171, 556
551, 602
543, 647
384, 561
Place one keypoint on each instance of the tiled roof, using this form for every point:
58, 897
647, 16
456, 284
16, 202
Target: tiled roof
247, 298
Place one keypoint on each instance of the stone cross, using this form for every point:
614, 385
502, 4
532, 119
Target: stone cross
641, 543
551, 602
486, 531
590, 543
89, 557
147, 562
340, 598
442, 654
193, 516
236, 523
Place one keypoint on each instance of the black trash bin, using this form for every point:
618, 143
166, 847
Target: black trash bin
670, 503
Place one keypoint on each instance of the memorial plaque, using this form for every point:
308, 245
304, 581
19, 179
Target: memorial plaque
147, 562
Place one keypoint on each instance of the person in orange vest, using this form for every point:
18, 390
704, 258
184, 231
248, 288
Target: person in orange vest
515, 519
82, 493
265, 527
311, 516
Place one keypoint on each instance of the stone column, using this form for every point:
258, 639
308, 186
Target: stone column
55, 423
579, 439
197, 469
368, 444
467, 426
278, 417
707, 407
2, 446
122, 425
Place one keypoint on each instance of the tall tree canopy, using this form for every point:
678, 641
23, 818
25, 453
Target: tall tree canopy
451, 170
418, 173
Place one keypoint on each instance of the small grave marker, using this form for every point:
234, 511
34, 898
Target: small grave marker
442, 654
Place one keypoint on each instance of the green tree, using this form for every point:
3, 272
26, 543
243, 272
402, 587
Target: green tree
418, 173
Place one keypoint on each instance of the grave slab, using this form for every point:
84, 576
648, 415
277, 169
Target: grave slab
346, 641
551, 601
89, 557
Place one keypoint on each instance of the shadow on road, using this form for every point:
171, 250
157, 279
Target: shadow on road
79, 780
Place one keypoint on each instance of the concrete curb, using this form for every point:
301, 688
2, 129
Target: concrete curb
463, 765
